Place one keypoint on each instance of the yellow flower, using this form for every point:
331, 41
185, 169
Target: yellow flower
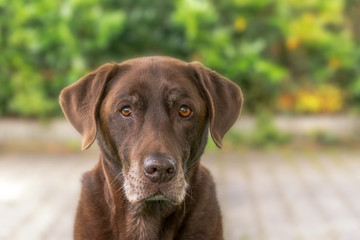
292, 43
308, 102
240, 24
332, 99
323, 99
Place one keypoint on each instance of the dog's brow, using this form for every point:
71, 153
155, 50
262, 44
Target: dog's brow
176, 94
132, 98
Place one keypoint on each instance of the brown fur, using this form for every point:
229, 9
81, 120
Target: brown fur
120, 198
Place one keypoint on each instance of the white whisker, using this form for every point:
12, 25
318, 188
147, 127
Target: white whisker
116, 178
120, 188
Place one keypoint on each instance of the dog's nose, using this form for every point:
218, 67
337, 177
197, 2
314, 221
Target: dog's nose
159, 169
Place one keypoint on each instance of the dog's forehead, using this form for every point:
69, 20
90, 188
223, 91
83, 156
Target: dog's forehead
157, 74
156, 69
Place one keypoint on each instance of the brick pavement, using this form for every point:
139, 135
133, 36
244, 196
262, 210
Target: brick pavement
271, 195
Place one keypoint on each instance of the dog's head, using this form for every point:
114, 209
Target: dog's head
151, 118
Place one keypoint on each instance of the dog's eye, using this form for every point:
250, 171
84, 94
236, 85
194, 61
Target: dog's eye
184, 111
126, 111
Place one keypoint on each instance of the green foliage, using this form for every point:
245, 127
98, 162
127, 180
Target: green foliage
268, 47
46, 45
266, 133
325, 138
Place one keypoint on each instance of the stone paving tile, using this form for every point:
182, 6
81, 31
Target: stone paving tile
272, 213
273, 195
338, 217
40, 197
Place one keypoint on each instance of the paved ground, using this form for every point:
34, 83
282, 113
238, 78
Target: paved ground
273, 195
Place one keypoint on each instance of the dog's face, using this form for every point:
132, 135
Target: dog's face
151, 117
155, 118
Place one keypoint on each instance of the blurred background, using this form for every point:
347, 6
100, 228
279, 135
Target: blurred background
297, 63
292, 57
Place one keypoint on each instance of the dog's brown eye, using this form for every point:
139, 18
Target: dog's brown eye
126, 111
184, 111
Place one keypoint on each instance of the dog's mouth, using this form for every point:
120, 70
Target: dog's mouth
167, 193
158, 196
139, 189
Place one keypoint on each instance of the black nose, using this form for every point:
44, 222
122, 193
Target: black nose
159, 168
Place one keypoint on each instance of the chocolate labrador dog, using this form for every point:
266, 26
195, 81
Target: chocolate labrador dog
150, 117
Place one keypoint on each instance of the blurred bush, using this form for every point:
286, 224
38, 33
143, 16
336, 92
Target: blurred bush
287, 55
316, 99
46, 45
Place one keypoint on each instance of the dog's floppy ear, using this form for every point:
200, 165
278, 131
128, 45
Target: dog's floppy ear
81, 100
224, 100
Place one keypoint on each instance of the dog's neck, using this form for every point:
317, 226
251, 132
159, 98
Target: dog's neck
143, 226
150, 220
143, 221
